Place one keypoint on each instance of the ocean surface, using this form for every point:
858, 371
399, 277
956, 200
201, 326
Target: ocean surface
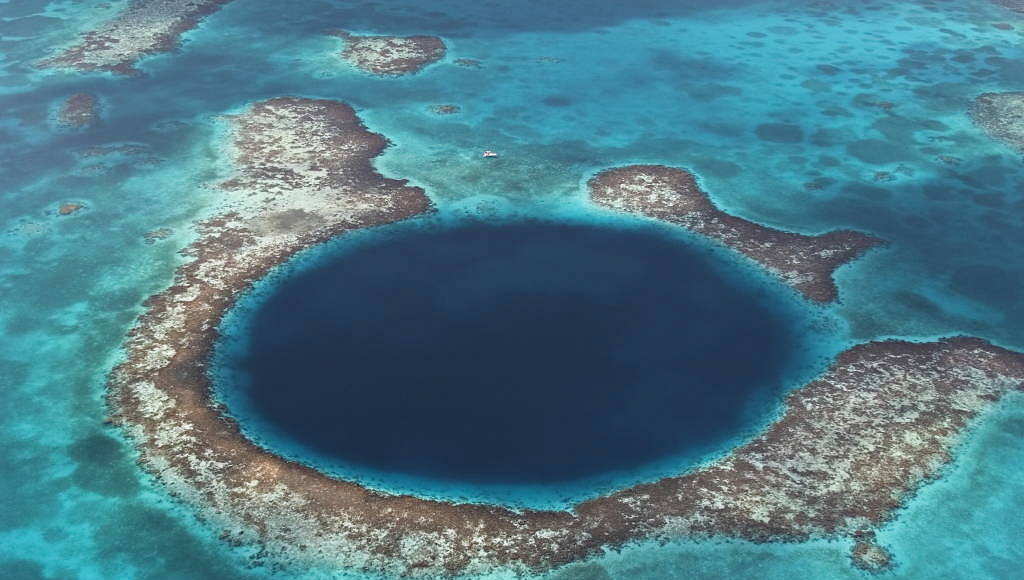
807, 116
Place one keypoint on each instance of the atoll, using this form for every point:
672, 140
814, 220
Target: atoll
143, 28
1001, 115
391, 55
847, 450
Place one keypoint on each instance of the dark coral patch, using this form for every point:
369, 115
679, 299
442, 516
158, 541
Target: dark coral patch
103, 466
878, 151
780, 133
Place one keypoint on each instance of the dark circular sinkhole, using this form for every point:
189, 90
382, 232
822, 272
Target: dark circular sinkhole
519, 353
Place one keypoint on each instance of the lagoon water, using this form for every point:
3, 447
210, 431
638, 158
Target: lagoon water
776, 105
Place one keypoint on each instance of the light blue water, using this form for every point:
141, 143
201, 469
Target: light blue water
684, 83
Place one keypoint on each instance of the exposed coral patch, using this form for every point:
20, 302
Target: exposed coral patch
804, 262
1001, 115
445, 109
78, 111
145, 27
391, 55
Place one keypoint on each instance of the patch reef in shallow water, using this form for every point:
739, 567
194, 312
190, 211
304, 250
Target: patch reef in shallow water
143, 28
849, 448
391, 55
1001, 115
78, 111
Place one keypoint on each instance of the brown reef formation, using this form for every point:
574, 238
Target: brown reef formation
847, 451
143, 28
673, 195
69, 208
445, 109
1001, 115
78, 111
391, 55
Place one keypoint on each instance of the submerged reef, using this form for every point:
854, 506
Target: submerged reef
673, 195
143, 28
445, 109
156, 235
1001, 115
391, 55
1015, 5
868, 555
69, 208
78, 111
847, 451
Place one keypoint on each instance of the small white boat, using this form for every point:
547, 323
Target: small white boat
490, 153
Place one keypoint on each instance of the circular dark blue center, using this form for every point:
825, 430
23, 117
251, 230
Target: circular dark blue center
530, 352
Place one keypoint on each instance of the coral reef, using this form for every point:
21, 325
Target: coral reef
445, 109
78, 111
143, 28
868, 555
673, 195
1001, 115
846, 452
391, 55
157, 235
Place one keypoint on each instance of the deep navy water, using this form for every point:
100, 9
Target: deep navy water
774, 104
517, 353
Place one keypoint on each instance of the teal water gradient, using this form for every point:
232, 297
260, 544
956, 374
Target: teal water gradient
774, 104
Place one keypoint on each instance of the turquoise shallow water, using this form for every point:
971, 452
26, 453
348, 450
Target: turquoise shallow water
773, 104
